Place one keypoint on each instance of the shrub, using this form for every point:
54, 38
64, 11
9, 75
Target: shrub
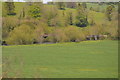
31, 22
74, 33
112, 30
21, 35
94, 30
8, 24
58, 35
40, 30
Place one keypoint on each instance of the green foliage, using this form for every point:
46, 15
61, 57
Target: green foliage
74, 34
111, 30
58, 35
22, 14
109, 12
9, 6
32, 22
81, 21
21, 35
67, 34
35, 11
70, 18
8, 24
81, 18
40, 30
50, 15
56, 23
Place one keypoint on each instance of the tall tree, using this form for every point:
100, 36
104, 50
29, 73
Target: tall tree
9, 6
81, 18
109, 12
22, 14
70, 18
35, 10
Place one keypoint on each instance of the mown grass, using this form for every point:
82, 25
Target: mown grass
98, 59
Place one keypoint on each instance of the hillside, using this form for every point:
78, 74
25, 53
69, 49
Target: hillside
48, 19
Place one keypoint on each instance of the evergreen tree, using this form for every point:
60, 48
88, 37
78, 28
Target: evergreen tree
9, 6
22, 14
81, 18
35, 11
109, 12
70, 18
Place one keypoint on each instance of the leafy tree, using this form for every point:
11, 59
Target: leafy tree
109, 12
35, 11
9, 6
81, 18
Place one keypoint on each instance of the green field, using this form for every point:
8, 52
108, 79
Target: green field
88, 59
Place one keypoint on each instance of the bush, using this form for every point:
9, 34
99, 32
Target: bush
40, 30
67, 34
112, 30
74, 33
58, 35
8, 24
21, 35
31, 22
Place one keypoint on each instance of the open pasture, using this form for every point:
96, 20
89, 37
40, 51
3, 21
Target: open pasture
88, 59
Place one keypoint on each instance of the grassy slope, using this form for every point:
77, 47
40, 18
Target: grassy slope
98, 16
84, 60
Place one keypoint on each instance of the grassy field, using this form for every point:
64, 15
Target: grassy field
98, 59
